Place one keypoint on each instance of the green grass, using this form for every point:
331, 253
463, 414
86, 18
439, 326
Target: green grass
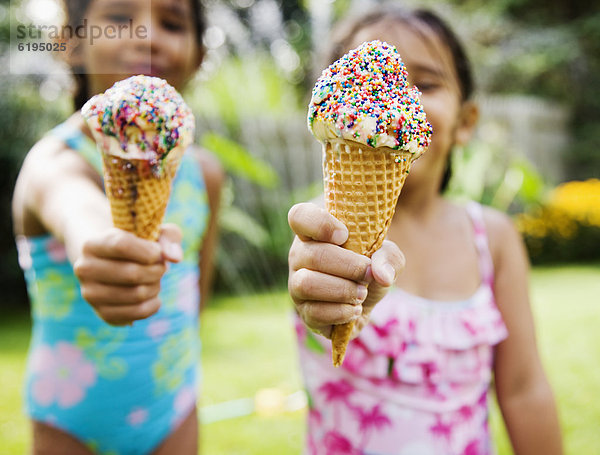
14, 339
566, 308
248, 346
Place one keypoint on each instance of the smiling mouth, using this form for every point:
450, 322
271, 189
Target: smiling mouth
147, 70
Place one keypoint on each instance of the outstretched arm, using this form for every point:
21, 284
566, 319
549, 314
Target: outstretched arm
524, 394
59, 193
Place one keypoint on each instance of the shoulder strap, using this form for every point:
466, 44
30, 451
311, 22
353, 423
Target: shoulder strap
79, 142
486, 265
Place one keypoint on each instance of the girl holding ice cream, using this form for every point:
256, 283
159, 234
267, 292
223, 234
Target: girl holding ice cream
441, 309
112, 367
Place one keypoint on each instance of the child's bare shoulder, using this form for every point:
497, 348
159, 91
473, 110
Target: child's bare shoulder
51, 155
212, 172
48, 166
503, 236
48, 153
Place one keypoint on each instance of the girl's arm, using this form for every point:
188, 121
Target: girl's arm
524, 394
213, 179
57, 192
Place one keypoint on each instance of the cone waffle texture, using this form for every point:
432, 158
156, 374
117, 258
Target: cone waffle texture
362, 185
138, 192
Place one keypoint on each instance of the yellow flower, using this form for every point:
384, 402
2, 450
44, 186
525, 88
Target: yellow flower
580, 200
572, 204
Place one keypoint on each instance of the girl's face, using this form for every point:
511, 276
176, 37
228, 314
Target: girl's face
155, 38
431, 68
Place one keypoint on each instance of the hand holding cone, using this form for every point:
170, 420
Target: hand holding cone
142, 126
372, 127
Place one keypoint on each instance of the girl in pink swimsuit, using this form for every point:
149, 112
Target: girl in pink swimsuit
446, 308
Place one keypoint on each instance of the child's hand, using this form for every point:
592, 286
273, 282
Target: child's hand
120, 273
327, 282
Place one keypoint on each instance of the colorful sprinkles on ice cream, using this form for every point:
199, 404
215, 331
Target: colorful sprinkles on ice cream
146, 115
365, 97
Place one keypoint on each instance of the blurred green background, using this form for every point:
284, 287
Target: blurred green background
536, 155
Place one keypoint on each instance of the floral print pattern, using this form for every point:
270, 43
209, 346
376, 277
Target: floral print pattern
120, 390
414, 382
64, 375
175, 355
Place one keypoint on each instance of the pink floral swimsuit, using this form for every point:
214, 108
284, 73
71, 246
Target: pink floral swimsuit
415, 381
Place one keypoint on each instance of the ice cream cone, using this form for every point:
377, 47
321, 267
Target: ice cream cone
138, 195
372, 127
142, 127
362, 185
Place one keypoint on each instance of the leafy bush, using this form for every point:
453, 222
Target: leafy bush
250, 116
567, 227
482, 171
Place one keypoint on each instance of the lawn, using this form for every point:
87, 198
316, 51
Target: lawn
250, 370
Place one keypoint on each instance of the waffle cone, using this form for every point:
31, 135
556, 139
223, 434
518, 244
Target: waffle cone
138, 192
362, 185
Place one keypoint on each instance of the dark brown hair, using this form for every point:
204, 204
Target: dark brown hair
75, 11
346, 31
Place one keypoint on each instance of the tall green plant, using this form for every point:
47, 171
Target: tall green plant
239, 106
244, 239
482, 172
237, 161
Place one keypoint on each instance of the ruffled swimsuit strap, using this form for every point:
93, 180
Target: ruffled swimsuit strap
486, 264
76, 140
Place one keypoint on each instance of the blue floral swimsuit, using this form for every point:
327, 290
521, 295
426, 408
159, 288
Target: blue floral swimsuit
119, 390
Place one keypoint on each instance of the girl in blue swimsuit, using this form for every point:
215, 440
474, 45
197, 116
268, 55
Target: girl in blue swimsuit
112, 367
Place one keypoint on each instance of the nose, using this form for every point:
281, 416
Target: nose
148, 40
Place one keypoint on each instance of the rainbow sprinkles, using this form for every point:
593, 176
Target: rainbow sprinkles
365, 97
144, 116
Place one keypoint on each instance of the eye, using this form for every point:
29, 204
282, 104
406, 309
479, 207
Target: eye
427, 86
173, 20
174, 25
119, 18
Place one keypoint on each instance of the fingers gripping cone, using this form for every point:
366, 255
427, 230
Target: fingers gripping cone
372, 127
142, 127
362, 185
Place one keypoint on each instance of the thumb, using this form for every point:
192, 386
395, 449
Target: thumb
387, 263
170, 242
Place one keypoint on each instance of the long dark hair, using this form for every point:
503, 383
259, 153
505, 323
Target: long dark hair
345, 32
75, 11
